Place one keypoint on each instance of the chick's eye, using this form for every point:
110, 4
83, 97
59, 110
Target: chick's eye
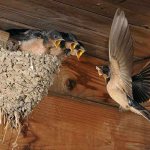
55, 36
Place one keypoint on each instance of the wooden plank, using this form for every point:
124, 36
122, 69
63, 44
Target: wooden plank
80, 79
137, 12
52, 14
60, 123
105, 22
10, 24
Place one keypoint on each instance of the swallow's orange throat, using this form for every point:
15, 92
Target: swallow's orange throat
36, 46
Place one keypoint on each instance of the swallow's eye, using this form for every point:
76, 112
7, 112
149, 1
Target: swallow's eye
105, 69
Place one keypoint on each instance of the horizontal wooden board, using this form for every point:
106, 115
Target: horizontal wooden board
80, 79
137, 12
91, 28
78, 114
60, 123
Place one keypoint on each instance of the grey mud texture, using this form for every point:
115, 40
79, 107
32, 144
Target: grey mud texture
24, 80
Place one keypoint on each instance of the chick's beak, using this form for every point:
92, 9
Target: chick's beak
73, 45
79, 53
99, 71
57, 42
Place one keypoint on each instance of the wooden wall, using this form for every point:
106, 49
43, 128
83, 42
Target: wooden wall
78, 114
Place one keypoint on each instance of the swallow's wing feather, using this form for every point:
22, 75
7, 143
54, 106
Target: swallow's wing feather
141, 85
17, 34
24, 34
121, 52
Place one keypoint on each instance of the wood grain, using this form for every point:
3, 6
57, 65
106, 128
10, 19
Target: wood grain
91, 28
80, 79
137, 11
78, 114
62, 123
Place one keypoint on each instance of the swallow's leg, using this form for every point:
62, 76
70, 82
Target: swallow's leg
121, 109
131, 102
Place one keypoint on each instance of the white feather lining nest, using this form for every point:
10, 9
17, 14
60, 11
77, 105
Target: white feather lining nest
24, 80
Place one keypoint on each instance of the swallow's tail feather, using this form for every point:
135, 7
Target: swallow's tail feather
17, 34
139, 109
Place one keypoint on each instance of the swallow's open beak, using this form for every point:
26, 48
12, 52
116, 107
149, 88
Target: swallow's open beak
79, 53
99, 71
73, 45
57, 42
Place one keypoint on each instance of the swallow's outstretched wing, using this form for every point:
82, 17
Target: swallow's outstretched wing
121, 52
141, 85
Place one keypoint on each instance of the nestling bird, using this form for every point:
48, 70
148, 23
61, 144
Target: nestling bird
36, 72
36, 41
73, 44
41, 41
127, 90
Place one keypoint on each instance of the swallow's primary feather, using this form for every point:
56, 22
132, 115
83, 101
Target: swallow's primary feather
126, 90
141, 85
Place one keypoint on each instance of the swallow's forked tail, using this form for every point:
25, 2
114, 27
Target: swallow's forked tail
139, 109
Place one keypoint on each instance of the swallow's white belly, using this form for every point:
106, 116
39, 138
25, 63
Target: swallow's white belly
118, 95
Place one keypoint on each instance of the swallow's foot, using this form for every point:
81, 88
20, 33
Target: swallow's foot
121, 109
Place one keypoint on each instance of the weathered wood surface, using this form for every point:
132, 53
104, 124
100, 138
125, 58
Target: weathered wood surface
92, 28
65, 124
81, 80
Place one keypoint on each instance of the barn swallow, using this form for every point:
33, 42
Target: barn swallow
73, 44
36, 41
53, 42
127, 90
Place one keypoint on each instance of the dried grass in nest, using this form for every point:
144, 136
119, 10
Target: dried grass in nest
24, 80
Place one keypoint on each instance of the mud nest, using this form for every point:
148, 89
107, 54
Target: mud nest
24, 80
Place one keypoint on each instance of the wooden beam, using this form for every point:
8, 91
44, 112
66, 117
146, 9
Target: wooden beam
80, 79
91, 28
63, 123
137, 11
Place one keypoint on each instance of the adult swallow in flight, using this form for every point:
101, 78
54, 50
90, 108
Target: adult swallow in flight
127, 90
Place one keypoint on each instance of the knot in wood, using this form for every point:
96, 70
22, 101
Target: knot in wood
70, 84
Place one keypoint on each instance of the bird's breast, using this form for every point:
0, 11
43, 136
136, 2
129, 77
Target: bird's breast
117, 94
34, 45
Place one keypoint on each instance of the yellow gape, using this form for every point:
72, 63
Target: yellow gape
57, 42
73, 45
79, 53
